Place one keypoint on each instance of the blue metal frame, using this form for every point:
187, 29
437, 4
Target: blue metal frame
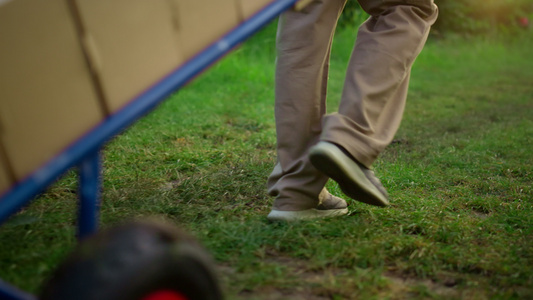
85, 151
89, 193
24, 191
8, 292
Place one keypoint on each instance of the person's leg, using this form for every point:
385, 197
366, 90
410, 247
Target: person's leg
377, 78
374, 95
303, 45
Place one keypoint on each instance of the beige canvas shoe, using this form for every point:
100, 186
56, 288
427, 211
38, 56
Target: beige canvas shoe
328, 206
354, 179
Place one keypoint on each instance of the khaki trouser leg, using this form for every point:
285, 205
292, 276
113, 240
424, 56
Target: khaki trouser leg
303, 45
377, 78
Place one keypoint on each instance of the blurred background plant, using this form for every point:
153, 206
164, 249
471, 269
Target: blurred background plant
466, 17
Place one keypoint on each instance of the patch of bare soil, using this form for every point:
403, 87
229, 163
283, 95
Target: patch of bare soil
330, 283
402, 285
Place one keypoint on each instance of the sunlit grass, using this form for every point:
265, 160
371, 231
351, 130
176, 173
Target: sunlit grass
459, 174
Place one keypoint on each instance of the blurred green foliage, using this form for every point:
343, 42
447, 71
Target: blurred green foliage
465, 16
481, 16
352, 15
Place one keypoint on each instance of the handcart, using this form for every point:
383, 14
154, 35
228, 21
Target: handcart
83, 153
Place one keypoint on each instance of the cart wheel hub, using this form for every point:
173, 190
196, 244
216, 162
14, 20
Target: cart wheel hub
165, 295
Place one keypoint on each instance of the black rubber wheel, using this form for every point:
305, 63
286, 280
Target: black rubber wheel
137, 261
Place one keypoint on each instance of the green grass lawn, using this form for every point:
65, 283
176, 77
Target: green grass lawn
459, 174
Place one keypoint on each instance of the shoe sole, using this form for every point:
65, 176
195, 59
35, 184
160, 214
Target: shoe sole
331, 161
309, 214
